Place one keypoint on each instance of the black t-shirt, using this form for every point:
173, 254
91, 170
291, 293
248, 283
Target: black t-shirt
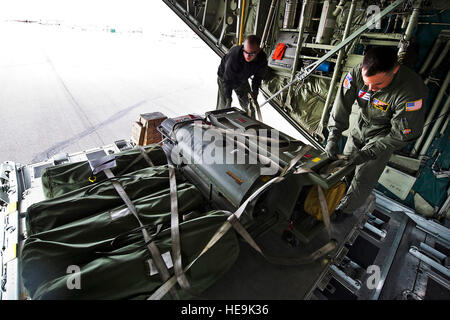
235, 71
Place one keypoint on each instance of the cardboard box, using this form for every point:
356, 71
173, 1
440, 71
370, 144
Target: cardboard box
150, 123
152, 119
137, 133
151, 136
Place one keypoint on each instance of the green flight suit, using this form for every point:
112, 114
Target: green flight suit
388, 120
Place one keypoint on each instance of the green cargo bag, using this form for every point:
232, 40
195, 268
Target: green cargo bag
60, 179
127, 272
81, 203
47, 254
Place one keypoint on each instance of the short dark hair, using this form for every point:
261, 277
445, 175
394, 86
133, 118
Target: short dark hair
379, 59
253, 40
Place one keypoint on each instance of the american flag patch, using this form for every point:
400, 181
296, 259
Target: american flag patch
364, 95
414, 105
347, 81
406, 131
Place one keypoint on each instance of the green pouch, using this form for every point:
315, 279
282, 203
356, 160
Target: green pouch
47, 254
83, 202
60, 179
126, 273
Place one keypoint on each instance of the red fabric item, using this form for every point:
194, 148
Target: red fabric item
279, 51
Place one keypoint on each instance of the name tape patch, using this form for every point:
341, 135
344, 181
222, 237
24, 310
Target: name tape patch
380, 105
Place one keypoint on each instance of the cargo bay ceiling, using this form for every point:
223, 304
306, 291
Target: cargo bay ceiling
321, 26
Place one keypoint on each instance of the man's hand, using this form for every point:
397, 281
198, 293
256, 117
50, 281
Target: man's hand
332, 149
361, 157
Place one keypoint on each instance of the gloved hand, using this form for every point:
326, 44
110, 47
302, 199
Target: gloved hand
332, 149
228, 103
362, 156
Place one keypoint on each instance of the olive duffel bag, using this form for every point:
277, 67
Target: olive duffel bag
127, 272
63, 178
83, 202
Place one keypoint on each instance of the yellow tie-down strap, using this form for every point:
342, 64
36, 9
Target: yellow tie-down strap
11, 207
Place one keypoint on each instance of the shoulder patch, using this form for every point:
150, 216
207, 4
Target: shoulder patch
413, 105
364, 95
381, 105
347, 81
406, 131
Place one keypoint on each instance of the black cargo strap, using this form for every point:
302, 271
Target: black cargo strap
175, 232
233, 220
154, 251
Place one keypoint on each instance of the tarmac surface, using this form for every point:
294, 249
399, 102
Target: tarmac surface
68, 88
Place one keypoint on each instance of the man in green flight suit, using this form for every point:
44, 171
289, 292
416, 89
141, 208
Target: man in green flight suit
391, 101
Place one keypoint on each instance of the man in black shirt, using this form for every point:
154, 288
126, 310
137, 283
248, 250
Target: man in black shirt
239, 64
